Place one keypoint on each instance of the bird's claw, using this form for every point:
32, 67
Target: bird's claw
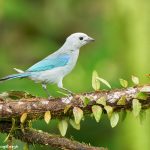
50, 98
71, 94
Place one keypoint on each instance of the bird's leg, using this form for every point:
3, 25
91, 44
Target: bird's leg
45, 89
60, 85
70, 92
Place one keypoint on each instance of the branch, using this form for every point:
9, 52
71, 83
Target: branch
13, 104
35, 107
43, 138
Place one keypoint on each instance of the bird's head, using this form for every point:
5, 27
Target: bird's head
77, 40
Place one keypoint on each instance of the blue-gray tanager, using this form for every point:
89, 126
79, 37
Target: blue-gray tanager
56, 66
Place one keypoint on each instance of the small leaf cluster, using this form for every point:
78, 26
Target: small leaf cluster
124, 83
75, 123
96, 81
98, 108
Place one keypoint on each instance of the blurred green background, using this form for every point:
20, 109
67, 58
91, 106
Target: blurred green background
32, 29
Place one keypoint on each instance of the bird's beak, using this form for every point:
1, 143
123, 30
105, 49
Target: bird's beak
89, 39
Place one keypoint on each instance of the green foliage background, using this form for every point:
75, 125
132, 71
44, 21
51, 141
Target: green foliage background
32, 29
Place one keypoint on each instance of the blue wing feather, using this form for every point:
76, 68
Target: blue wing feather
50, 63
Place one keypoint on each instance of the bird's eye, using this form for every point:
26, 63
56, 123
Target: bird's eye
80, 38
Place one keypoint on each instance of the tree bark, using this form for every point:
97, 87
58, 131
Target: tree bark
35, 107
39, 137
15, 103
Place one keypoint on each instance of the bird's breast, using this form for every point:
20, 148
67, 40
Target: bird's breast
72, 62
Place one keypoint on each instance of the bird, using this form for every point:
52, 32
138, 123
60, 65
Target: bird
53, 68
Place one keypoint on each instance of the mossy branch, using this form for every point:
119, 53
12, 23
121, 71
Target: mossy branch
35, 107
33, 136
14, 104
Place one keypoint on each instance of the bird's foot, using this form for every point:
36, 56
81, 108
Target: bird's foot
70, 94
50, 98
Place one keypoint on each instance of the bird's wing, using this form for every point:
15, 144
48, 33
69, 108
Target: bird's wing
50, 63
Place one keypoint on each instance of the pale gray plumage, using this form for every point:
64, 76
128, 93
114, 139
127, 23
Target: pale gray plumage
56, 66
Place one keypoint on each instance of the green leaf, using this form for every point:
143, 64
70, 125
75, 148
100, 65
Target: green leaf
136, 106
109, 110
74, 125
47, 116
124, 83
135, 80
104, 82
23, 117
67, 107
95, 82
122, 101
86, 101
142, 96
78, 114
63, 126
101, 101
97, 112
114, 119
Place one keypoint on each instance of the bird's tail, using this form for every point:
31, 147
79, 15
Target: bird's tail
14, 76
